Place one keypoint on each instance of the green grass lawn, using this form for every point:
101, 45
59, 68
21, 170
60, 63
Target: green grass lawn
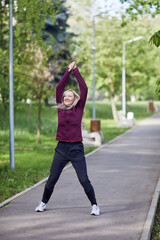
156, 225
33, 160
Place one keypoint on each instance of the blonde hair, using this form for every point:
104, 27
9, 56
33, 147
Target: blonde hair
63, 106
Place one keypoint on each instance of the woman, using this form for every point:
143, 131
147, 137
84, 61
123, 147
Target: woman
70, 147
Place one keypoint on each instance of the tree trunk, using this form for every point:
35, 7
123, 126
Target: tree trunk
46, 102
29, 111
4, 109
114, 110
113, 102
39, 120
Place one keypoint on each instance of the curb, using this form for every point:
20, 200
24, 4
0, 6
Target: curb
7, 201
21, 193
147, 229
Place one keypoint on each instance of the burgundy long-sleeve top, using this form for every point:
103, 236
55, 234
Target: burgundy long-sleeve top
69, 121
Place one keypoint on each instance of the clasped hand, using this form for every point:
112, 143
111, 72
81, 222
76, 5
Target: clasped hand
72, 66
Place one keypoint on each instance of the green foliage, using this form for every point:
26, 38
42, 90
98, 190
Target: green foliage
40, 38
28, 21
140, 7
155, 39
31, 53
141, 59
109, 55
158, 86
4, 53
55, 34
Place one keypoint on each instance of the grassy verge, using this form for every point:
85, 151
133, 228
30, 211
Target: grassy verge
156, 225
33, 160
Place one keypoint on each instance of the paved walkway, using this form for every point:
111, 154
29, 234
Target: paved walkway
124, 174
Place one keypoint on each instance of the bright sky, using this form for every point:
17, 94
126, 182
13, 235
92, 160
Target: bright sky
112, 3
107, 4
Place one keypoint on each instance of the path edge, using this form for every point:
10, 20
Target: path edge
147, 229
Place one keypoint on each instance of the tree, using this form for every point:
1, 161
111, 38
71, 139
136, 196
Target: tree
55, 34
46, 53
80, 23
32, 52
4, 53
141, 7
109, 38
29, 18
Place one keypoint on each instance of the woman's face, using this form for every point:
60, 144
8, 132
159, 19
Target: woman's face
68, 98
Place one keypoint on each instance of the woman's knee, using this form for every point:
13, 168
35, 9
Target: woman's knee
51, 181
84, 181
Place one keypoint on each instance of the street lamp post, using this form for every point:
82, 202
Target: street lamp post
124, 73
11, 98
95, 124
94, 50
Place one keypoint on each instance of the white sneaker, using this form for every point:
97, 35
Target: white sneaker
41, 207
95, 210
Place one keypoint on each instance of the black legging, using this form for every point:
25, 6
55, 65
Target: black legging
65, 152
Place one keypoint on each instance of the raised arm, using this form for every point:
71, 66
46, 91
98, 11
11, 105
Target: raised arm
82, 86
61, 86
